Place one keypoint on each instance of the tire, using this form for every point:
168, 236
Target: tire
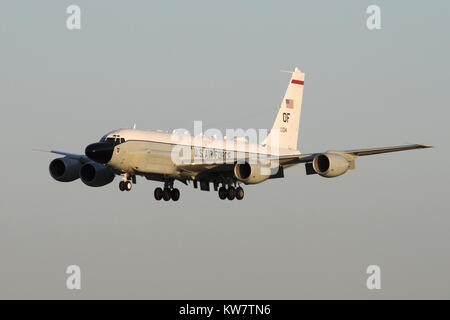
122, 186
128, 185
231, 193
158, 193
166, 194
222, 193
239, 193
175, 194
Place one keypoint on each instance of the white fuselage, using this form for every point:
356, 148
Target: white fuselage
147, 152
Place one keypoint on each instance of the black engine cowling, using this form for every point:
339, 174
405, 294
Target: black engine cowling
96, 175
65, 169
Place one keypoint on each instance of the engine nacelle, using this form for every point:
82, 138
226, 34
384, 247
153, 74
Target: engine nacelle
330, 165
95, 174
251, 173
65, 169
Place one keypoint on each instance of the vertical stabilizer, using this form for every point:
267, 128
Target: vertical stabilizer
287, 121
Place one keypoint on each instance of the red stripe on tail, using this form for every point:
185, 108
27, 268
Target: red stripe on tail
298, 81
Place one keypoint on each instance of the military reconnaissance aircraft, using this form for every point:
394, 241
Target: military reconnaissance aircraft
225, 163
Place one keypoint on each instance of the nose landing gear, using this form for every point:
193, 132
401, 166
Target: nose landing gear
126, 185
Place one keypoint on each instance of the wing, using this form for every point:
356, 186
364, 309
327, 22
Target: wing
287, 161
79, 157
368, 152
351, 154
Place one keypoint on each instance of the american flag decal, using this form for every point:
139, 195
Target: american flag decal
290, 103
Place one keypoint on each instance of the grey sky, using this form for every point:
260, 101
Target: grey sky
164, 65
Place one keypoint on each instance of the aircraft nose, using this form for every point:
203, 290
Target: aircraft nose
100, 152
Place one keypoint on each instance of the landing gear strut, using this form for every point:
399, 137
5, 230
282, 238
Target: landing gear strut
169, 192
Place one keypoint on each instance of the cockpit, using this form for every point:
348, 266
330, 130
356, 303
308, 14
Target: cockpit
115, 139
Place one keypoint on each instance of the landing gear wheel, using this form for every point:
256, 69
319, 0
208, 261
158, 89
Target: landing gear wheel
175, 194
222, 193
231, 193
158, 193
122, 185
239, 193
166, 194
128, 185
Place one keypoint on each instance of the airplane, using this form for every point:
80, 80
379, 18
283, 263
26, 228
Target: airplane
225, 163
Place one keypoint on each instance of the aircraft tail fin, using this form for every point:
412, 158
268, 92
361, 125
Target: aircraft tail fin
287, 122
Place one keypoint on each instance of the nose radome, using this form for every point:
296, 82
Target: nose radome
100, 152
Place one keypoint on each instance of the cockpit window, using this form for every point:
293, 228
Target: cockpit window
115, 140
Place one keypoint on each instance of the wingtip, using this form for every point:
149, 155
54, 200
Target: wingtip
426, 146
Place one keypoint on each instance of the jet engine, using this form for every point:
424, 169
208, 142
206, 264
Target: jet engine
330, 165
95, 174
65, 169
251, 173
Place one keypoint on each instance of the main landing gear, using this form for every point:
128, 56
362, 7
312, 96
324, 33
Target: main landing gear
231, 193
169, 192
